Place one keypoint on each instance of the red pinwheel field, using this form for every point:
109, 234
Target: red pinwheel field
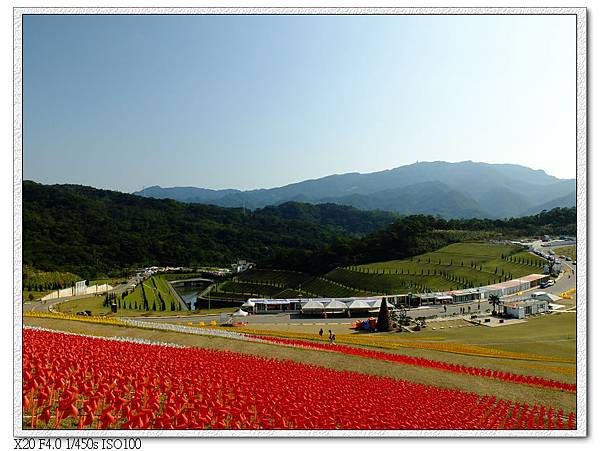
72, 381
419, 361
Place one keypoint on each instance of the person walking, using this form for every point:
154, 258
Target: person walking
330, 335
333, 339
321, 333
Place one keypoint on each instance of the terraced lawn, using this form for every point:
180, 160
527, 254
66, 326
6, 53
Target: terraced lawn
460, 265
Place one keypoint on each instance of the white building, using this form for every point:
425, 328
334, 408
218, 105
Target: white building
522, 309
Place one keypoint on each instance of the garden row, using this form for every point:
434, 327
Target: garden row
281, 284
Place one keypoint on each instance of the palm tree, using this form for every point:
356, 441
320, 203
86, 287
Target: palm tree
494, 299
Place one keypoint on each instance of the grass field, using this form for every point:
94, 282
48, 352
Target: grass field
516, 392
457, 266
34, 294
460, 265
131, 304
282, 284
180, 276
114, 281
94, 304
567, 251
40, 283
157, 291
548, 335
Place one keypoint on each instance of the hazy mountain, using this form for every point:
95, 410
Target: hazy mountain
570, 200
452, 190
187, 193
434, 198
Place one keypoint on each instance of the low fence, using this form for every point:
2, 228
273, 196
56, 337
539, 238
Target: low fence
70, 292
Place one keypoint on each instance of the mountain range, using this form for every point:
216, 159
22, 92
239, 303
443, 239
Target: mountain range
450, 190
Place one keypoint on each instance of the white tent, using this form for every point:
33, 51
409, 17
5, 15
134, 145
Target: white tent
313, 306
240, 313
543, 296
336, 306
375, 304
248, 306
358, 304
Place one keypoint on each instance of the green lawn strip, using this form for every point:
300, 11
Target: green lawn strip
482, 386
328, 288
291, 279
113, 281
460, 265
549, 370
36, 280
546, 327
94, 304
258, 289
34, 294
567, 251
180, 276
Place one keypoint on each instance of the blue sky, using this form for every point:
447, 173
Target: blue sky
123, 102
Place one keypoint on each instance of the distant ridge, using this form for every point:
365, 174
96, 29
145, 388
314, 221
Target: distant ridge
450, 190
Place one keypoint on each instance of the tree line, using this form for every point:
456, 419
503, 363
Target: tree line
89, 231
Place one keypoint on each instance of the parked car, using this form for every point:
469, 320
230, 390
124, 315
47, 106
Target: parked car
547, 284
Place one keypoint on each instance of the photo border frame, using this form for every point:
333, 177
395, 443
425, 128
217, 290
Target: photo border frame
581, 177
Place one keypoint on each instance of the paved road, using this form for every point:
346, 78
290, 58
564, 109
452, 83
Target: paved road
566, 281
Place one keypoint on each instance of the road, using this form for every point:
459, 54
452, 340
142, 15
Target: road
567, 279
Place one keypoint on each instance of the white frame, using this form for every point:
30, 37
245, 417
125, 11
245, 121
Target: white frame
581, 63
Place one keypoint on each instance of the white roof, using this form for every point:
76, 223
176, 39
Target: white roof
335, 305
248, 303
376, 303
545, 297
313, 305
240, 313
358, 304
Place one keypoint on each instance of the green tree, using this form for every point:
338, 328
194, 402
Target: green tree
384, 321
494, 299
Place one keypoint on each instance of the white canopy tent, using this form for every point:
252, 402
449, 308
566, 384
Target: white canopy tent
543, 296
240, 313
375, 304
336, 306
358, 304
248, 306
313, 306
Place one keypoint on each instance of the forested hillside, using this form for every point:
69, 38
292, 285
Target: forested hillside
414, 235
89, 231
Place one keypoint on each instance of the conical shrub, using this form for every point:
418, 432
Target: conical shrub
384, 322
